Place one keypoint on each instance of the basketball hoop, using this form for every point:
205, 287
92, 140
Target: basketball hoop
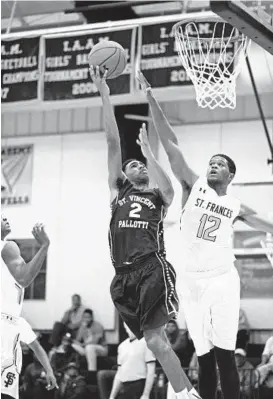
212, 59
267, 245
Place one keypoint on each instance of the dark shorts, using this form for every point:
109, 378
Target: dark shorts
144, 294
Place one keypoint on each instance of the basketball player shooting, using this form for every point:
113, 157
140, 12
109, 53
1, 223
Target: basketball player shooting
210, 285
143, 289
15, 276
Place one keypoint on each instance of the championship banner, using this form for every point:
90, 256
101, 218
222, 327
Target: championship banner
16, 174
160, 62
66, 74
20, 69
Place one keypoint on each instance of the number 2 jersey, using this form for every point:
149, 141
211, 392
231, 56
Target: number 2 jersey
136, 226
206, 227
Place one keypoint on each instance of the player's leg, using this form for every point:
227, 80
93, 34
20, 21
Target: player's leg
158, 304
207, 375
159, 344
197, 314
123, 293
225, 316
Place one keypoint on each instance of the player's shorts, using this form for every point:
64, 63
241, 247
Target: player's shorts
211, 307
144, 293
11, 356
10, 382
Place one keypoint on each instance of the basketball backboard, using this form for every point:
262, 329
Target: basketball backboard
254, 21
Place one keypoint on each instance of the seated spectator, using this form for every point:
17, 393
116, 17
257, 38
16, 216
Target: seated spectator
247, 374
180, 343
72, 384
135, 376
61, 356
70, 322
243, 331
73, 317
90, 341
265, 368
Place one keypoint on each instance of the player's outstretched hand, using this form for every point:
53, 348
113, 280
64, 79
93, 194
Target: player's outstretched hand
143, 141
40, 235
51, 381
145, 85
99, 80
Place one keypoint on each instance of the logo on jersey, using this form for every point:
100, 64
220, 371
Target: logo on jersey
212, 207
9, 379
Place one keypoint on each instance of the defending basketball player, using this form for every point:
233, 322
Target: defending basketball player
15, 276
210, 287
143, 289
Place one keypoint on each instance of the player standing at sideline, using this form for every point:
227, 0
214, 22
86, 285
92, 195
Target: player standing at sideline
15, 276
143, 289
210, 287
10, 375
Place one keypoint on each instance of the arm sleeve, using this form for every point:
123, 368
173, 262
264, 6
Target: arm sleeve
27, 335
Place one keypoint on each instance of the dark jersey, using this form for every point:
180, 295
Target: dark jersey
136, 226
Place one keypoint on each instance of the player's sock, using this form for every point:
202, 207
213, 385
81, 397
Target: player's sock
229, 376
207, 375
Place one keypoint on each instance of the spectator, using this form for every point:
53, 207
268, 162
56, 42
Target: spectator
70, 322
90, 342
243, 331
135, 376
265, 368
72, 384
73, 317
61, 356
247, 374
180, 343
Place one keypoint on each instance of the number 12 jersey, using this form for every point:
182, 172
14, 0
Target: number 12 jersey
206, 227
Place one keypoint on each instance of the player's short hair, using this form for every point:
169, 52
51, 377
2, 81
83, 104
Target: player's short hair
89, 311
125, 163
230, 162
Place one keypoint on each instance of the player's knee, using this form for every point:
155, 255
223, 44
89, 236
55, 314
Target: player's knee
156, 341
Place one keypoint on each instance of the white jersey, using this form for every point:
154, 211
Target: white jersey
206, 227
12, 293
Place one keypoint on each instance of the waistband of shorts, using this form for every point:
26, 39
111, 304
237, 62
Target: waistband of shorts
141, 380
137, 265
210, 273
9, 318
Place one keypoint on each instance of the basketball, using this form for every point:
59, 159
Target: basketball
108, 55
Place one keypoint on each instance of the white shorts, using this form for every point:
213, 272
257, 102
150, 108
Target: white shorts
211, 307
10, 382
9, 339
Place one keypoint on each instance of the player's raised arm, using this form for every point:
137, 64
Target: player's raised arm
111, 130
180, 168
252, 219
25, 273
160, 176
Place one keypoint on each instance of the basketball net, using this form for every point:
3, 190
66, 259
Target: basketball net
212, 61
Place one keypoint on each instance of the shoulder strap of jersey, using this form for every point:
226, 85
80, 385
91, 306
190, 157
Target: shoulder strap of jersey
122, 188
